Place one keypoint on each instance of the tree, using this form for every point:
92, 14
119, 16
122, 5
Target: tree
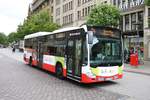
12, 37
147, 2
104, 15
3, 39
41, 21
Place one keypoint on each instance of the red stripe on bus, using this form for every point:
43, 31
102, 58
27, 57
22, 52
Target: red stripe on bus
86, 79
34, 62
49, 67
64, 72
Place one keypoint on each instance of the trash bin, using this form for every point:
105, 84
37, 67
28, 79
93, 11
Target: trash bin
134, 59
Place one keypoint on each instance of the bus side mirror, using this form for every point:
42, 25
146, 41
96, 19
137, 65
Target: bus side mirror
90, 37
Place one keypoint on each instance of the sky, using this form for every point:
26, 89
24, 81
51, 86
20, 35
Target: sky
12, 13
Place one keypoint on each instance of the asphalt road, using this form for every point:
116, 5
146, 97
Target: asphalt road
18, 81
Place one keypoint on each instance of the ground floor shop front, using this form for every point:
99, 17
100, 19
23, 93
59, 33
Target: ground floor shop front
133, 45
137, 44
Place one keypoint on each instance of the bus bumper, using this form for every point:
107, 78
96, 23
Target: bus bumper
86, 79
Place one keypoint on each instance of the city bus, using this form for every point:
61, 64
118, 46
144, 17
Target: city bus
86, 54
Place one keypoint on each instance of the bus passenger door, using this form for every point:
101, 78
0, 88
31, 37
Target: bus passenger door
40, 54
74, 58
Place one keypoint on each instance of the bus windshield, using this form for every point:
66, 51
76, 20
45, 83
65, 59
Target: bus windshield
105, 52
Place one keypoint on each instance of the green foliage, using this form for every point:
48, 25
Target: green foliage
3, 39
147, 2
35, 23
104, 15
13, 37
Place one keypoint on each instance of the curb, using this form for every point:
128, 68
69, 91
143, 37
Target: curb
138, 72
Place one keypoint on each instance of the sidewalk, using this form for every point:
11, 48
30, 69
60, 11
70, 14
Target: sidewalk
141, 69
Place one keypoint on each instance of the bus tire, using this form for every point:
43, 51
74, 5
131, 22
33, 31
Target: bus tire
59, 71
30, 61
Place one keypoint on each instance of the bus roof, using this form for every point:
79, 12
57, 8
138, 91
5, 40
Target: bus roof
37, 35
66, 29
85, 27
48, 33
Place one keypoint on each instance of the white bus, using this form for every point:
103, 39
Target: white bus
85, 54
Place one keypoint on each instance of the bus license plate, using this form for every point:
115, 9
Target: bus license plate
108, 79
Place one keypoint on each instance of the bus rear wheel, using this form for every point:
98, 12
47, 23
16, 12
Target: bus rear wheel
30, 61
59, 71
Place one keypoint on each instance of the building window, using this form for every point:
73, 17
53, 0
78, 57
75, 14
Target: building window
83, 1
140, 20
114, 2
57, 11
63, 8
148, 12
127, 22
68, 19
83, 12
119, 2
124, 4
79, 15
52, 9
71, 18
68, 6
133, 21
149, 17
58, 21
86, 11
71, 5
129, 2
64, 19
105, 2
79, 3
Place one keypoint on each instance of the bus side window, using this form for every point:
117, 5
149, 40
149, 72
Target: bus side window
51, 50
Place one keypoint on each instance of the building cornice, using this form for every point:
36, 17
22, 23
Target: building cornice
133, 9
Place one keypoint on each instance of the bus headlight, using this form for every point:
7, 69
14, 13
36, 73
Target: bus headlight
89, 74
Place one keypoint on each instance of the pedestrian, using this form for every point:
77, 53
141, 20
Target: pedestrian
126, 56
13, 49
